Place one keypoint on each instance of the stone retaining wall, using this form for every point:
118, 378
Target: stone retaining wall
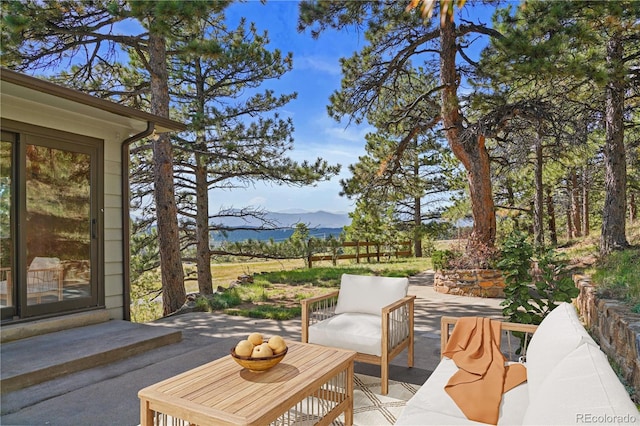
469, 282
614, 327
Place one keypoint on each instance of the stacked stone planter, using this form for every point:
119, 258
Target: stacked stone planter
614, 327
469, 282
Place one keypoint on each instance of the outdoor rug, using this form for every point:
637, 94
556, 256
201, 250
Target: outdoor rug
372, 409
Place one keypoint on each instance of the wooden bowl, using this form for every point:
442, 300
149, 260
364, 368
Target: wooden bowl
258, 364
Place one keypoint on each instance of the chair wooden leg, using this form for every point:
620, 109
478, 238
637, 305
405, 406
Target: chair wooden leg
410, 354
384, 378
411, 335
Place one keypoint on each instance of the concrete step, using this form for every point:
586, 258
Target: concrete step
41, 358
22, 330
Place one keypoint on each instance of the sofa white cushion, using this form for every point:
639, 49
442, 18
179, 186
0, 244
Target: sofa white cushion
558, 335
369, 294
357, 332
432, 405
581, 389
414, 415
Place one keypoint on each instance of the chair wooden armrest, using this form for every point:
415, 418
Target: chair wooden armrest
397, 304
316, 309
397, 327
315, 299
446, 322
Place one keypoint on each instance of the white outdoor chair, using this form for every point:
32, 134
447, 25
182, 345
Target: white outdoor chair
45, 276
6, 287
370, 315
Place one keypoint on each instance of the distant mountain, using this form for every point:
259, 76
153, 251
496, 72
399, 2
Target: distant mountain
277, 235
293, 211
319, 219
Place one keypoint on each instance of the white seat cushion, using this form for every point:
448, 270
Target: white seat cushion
432, 405
581, 389
369, 294
357, 332
557, 336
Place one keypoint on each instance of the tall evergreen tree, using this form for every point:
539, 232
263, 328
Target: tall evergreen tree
234, 139
593, 43
409, 175
396, 38
54, 34
414, 195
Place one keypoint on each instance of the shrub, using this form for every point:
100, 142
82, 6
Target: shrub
553, 280
474, 255
531, 295
618, 277
265, 311
515, 265
202, 304
225, 300
441, 258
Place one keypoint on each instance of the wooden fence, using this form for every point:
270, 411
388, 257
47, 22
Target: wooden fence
363, 251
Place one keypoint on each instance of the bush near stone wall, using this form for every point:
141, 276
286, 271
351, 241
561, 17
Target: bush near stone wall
614, 327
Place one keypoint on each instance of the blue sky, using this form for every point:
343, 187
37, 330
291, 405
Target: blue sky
315, 76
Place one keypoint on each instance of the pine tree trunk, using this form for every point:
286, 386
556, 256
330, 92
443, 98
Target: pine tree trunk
551, 218
568, 211
633, 207
586, 187
472, 154
511, 200
173, 291
203, 251
417, 221
575, 204
538, 212
613, 235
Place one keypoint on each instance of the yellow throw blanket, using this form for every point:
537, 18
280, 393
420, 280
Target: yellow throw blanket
482, 378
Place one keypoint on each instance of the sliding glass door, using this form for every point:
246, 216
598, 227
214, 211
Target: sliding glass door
50, 238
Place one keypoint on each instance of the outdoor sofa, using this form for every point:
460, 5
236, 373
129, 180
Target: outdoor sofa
569, 381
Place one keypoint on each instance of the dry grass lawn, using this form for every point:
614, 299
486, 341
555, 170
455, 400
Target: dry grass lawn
225, 273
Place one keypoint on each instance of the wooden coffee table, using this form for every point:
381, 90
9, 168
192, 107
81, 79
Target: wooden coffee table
312, 383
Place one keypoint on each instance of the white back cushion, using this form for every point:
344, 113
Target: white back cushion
43, 270
44, 263
369, 294
581, 389
557, 336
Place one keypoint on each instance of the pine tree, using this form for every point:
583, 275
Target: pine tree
396, 38
54, 34
408, 176
595, 44
234, 140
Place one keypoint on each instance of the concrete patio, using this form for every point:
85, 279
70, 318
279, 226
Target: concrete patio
107, 394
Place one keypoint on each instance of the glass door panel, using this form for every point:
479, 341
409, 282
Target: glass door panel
7, 289
58, 229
